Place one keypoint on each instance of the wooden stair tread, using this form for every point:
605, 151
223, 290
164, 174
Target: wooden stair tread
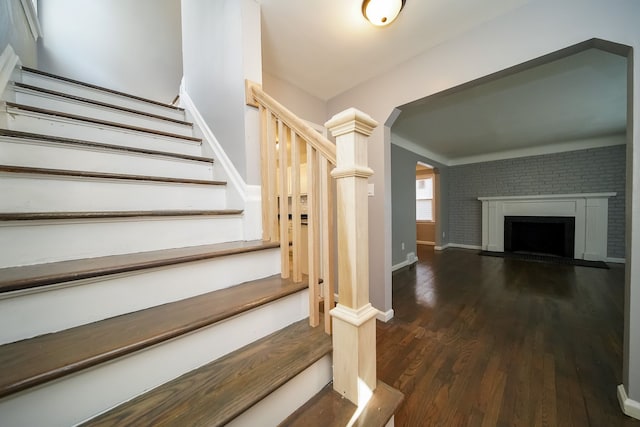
69, 141
104, 89
101, 122
105, 175
216, 393
34, 361
35, 216
99, 103
329, 408
32, 276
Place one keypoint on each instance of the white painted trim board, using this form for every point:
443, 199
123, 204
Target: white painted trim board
220, 156
8, 62
402, 264
629, 407
32, 18
385, 316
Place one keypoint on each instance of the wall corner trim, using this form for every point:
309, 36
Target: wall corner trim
385, 316
628, 406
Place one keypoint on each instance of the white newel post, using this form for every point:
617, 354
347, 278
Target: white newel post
354, 319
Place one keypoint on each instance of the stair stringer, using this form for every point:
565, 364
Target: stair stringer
240, 195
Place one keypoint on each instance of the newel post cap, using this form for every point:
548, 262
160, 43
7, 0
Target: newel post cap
351, 120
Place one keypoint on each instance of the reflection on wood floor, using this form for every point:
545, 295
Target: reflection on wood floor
498, 342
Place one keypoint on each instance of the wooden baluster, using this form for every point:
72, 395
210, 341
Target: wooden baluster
283, 133
272, 167
354, 319
313, 235
296, 211
326, 239
264, 171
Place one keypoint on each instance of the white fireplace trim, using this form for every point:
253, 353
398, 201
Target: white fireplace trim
590, 210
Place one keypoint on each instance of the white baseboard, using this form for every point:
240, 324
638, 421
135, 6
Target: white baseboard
250, 195
402, 264
615, 260
628, 406
385, 316
411, 259
237, 182
425, 242
457, 245
461, 246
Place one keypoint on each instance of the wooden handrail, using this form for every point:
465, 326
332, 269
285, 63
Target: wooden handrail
256, 96
283, 140
337, 230
336, 207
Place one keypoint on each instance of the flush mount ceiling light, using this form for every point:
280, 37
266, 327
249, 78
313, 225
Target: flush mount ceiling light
382, 12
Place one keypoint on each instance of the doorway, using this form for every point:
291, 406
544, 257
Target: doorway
426, 207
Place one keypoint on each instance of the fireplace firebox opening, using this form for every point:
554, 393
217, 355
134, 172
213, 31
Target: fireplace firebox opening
540, 235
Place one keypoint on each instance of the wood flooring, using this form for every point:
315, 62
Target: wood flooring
484, 341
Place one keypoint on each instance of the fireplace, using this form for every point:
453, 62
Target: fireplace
588, 210
540, 235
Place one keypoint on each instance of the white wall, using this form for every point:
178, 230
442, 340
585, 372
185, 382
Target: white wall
14, 30
534, 30
302, 103
131, 46
221, 47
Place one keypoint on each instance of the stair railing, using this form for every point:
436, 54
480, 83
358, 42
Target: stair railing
296, 184
337, 214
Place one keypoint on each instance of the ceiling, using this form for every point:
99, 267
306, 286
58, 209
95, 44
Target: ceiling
326, 47
576, 98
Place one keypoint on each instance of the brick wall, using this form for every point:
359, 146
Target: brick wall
594, 170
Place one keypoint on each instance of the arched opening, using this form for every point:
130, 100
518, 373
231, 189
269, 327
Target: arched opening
484, 172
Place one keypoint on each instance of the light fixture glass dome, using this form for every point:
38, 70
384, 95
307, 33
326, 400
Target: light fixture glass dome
381, 12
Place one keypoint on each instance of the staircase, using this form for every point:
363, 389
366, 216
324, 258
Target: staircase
128, 293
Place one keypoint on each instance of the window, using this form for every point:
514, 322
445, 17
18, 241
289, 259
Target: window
424, 199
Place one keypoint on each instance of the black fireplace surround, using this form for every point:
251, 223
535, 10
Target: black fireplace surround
546, 235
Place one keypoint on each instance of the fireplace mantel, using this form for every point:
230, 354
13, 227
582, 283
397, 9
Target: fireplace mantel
590, 210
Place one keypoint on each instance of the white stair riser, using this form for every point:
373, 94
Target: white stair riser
98, 95
76, 398
284, 401
66, 128
55, 308
41, 154
50, 193
38, 242
69, 106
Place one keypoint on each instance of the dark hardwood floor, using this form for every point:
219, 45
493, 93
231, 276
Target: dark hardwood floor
484, 341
